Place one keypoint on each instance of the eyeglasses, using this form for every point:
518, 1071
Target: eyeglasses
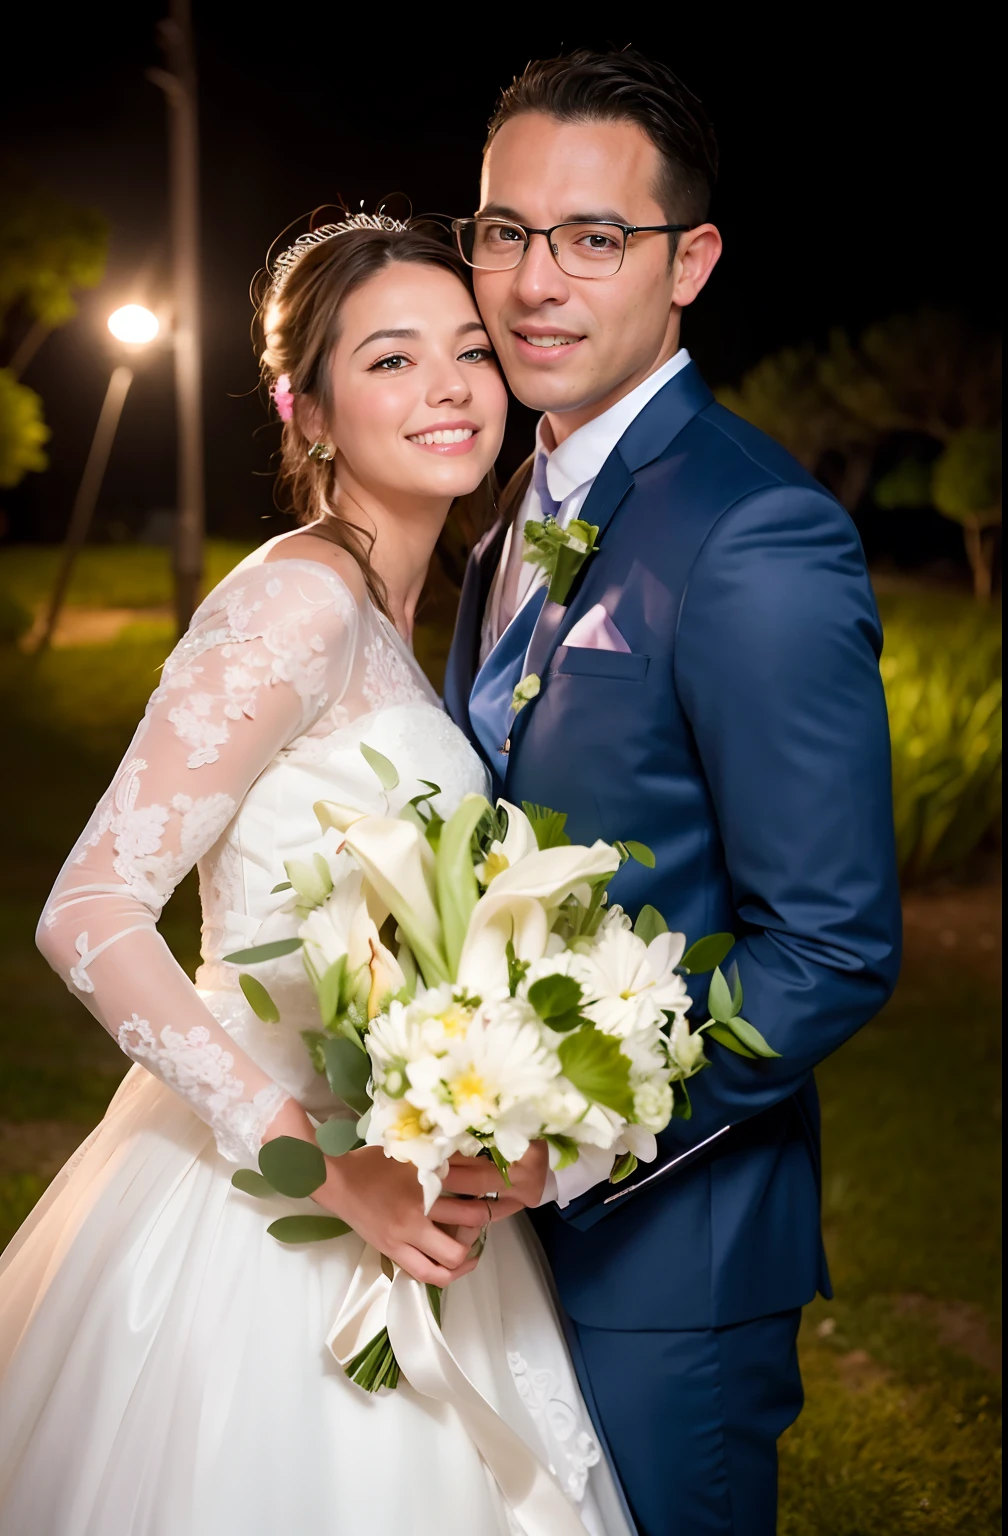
580, 249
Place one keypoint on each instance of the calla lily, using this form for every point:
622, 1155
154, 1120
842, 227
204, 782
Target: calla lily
550, 875
395, 858
497, 920
519, 842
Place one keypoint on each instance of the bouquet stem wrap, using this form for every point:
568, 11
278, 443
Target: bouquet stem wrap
396, 1301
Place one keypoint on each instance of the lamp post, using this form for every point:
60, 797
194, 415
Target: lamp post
134, 327
179, 85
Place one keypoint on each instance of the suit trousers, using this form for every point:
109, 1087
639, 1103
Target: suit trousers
692, 1419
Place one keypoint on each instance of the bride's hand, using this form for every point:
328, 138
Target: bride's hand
383, 1202
477, 1177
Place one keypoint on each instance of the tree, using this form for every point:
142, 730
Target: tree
963, 484
49, 249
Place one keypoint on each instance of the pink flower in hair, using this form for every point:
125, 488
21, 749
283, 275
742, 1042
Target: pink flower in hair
283, 397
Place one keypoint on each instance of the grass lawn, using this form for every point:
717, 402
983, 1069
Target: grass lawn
901, 1431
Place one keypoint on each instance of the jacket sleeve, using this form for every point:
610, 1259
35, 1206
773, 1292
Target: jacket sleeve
776, 666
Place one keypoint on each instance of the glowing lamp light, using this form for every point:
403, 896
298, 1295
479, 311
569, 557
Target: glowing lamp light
133, 324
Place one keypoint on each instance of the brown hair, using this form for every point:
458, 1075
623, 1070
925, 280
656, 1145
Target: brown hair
589, 87
300, 320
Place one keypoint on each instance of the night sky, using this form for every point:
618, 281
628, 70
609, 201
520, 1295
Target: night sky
857, 181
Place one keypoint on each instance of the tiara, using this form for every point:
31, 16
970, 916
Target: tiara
288, 259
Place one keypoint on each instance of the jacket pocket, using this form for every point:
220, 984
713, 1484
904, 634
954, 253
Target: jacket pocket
583, 661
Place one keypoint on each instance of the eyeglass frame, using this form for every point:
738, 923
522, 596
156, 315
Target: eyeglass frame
627, 230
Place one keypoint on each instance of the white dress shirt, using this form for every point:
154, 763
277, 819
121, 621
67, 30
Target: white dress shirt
571, 468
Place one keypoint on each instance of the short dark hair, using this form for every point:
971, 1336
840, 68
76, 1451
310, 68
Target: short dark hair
589, 87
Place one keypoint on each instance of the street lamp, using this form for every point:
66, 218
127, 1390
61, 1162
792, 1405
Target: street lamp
133, 327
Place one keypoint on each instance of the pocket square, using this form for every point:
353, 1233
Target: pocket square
596, 632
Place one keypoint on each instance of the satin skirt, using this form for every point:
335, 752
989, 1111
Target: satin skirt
163, 1369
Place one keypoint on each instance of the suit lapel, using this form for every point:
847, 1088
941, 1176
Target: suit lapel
647, 437
463, 658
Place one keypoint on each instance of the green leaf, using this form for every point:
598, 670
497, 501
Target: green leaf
640, 852
719, 998
723, 1035
338, 990
649, 924
337, 1136
706, 953
454, 877
294, 1167
596, 1066
682, 1108
386, 772
307, 1229
547, 825
557, 1001
568, 1149
735, 982
261, 952
284, 885
623, 1167
348, 1069
314, 1039
258, 999
750, 1036
252, 1183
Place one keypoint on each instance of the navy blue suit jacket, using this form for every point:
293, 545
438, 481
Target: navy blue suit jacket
744, 738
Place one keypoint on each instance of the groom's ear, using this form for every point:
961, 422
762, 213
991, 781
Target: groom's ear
696, 256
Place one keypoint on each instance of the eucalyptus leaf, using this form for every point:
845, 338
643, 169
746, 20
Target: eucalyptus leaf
307, 1229
261, 952
750, 1036
639, 852
386, 772
258, 999
706, 953
337, 1136
596, 1066
719, 998
649, 924
293, 1167
557, 1001
623, 1167
723, 1035
348, 1069
735, 982
252, 1183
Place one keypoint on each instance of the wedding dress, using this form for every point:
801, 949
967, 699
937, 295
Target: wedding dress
163, 1367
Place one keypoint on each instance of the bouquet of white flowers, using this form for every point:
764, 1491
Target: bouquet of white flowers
477, 992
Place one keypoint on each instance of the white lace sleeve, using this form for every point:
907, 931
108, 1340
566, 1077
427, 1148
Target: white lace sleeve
265, 656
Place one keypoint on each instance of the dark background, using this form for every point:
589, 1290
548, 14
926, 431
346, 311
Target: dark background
857, 182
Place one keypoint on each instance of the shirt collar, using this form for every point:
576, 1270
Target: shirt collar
579, 457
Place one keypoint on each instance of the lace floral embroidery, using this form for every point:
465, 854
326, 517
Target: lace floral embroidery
139, 831
199, 1070
559, 1425
289, 651
388, 679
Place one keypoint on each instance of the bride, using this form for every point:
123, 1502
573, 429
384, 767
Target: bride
163, 1362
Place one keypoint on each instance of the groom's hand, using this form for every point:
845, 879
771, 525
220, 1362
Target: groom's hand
476, 1177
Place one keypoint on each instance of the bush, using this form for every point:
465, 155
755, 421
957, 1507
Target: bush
941, 667
15, 619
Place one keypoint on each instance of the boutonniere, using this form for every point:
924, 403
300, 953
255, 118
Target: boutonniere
560, 552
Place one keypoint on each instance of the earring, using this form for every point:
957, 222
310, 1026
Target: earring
322, 452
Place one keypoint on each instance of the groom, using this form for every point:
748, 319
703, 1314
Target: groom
710, 687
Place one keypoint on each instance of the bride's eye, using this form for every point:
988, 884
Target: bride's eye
394, 363
477, 355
